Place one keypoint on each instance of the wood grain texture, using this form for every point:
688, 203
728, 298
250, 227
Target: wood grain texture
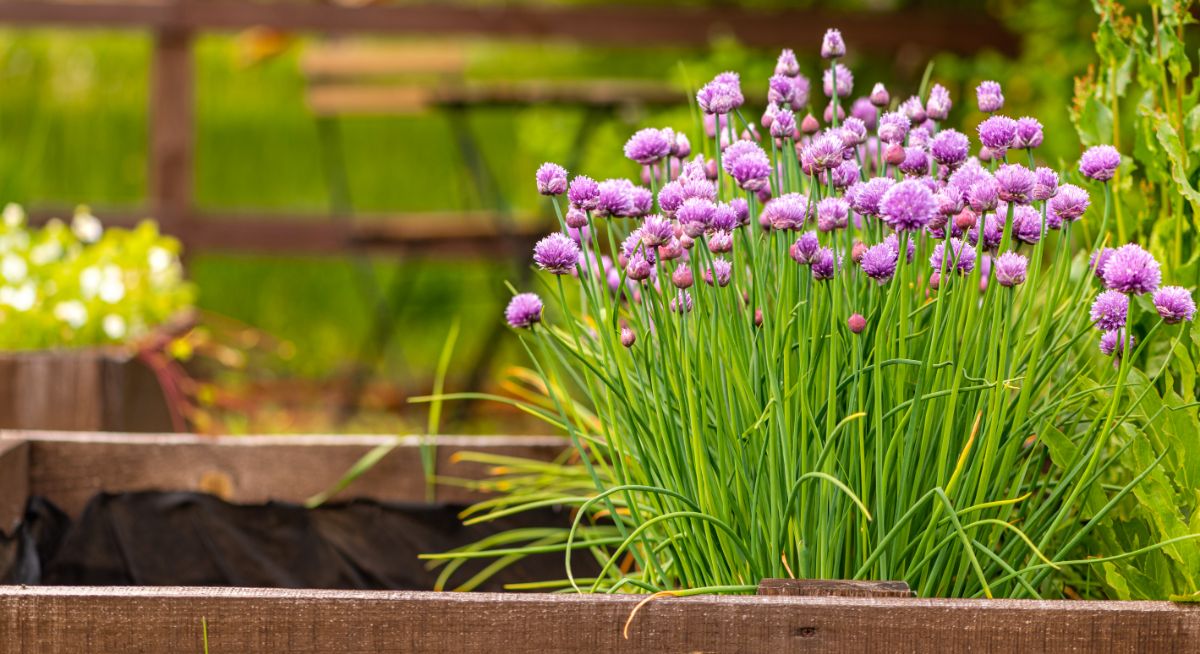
14, 483
833, 588
70, 468
81, 390
244, 620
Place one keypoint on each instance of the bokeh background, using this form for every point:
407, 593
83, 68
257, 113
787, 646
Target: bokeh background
301, 342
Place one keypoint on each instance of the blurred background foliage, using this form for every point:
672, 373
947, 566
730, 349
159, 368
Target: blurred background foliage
73, 130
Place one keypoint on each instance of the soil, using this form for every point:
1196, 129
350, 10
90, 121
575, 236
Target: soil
192, 539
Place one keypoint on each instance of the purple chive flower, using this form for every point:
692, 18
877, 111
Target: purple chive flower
822, 153
845, 174
893, 127
1010, 269
950, 201
879, 262
989, 97
805, 249
1174, 303
746, 162
722, 95
671, 251
967, 175
879, 95
1069, 203
584, 193
682, 147
1027, 224
523, 310
993, 232
864, 110
867, 198
695, 215
1131, 269
670, 196
784, 124
854, 131
615, 198
938, 105
1110, 310
788, 211
723, 272
649, 146
908, 205
1045, 185
741, 209
787, 64
845, 81
832, 213
1114, 342
832, 46
1029, 133
656, 231
556, 253
913, 109
640, 266
950, 147
551, 179
997, 133
1098, 260
1016, 183
800, 92
643, 201
857, 323
984, 195
962, 260
916, 162
780, 90
1100, 162
681, 303
724, 219
824, 265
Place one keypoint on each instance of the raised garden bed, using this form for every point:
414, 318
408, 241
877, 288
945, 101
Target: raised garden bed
68, 469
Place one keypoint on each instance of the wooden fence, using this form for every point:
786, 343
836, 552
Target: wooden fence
175, 23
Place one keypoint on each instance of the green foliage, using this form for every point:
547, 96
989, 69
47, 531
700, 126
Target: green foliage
81, 285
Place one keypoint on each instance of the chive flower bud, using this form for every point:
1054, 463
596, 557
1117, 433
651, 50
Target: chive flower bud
681, 303
857, 323
720, 242
1100, 162
832, 46
879, 95
576, 218
523, 310
627, 337
783, 125
723, 271
914, 110
937, 107
1110, 310
989, 97
551, 179
682, 277
1174, 304
787, 64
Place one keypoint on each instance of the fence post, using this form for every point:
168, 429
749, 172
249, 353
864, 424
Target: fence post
172, 129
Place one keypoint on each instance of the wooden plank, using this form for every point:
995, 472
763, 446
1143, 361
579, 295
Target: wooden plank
14, 484
261, 620
359, 59
86, 389
70, 468
921, 31
171, 129
833, 588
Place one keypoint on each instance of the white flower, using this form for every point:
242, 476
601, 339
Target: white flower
86, 227
13, 268
14, 215
114, 326
21, 298
89, 282
45, 253
112, 288
71, 312
160, 259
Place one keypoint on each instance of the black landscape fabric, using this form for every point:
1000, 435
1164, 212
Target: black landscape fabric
191, 539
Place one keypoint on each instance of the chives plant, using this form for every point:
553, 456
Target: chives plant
853, 351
